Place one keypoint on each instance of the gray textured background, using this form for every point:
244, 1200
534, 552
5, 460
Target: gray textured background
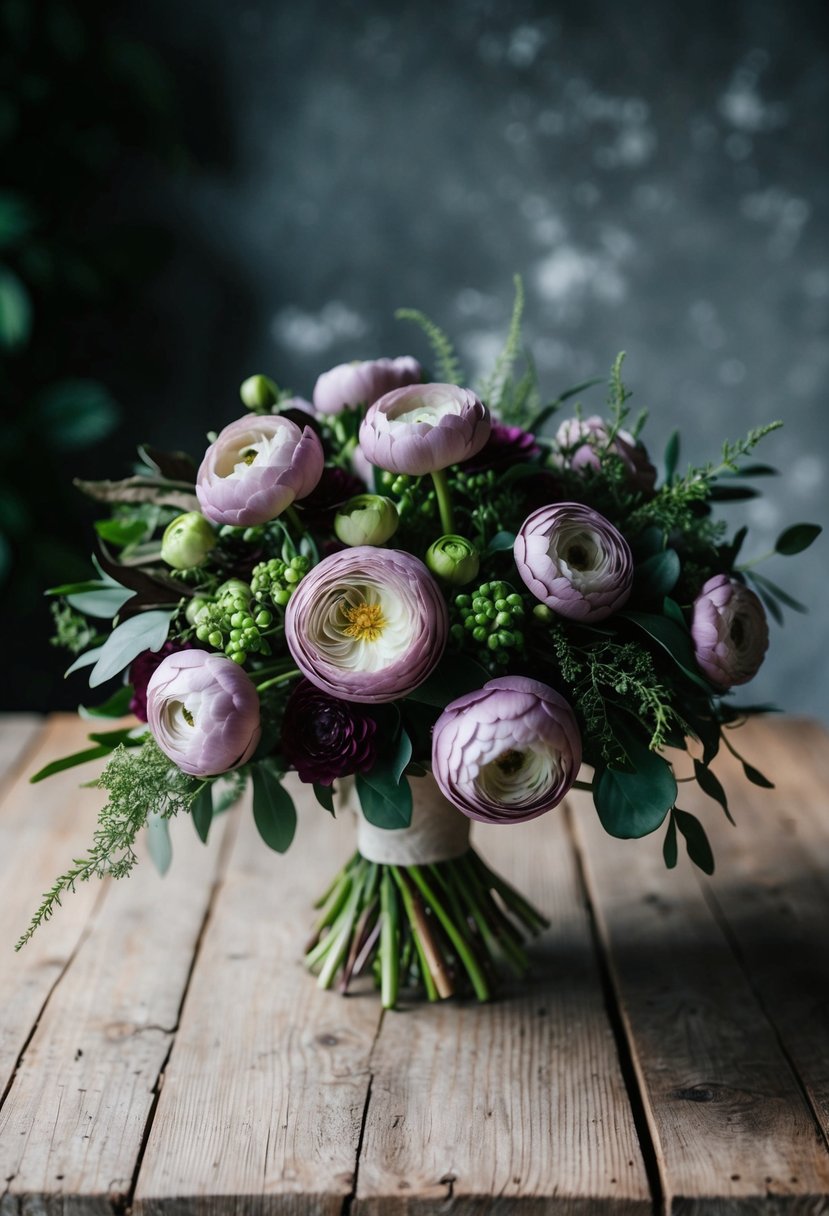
661, 184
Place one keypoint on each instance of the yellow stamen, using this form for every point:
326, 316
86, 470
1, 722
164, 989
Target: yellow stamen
366, 622
250, 455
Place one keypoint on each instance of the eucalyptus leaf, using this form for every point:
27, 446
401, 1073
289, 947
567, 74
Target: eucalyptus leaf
710, 785
760, 580
669, 847
159, 845
656, 576
325, 797
633, 804
202, 812
58, 766
796, 538
273, 809
756, 777
672, 638
720, 493
84, 660
117, 706
103, 604
500, 542
696, 841
147, 631
386, 803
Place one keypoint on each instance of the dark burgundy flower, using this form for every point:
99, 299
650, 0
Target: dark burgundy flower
141, 671
506, 446
334, 488
324, 738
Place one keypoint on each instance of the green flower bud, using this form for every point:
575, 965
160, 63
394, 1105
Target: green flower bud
259, 393
187, 541
453, 559
368, 519
234, 588
193, 609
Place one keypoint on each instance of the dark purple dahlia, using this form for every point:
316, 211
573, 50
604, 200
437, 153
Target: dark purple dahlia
142, 669
507, 445
324, 738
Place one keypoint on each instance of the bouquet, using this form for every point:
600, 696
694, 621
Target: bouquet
433, 611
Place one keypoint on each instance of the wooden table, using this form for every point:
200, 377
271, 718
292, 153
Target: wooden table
163, 1050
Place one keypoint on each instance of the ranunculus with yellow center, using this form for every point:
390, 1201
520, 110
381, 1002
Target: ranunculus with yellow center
508, 752
257, 468
367, 624
424, 428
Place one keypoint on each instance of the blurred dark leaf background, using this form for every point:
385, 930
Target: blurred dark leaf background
192, 193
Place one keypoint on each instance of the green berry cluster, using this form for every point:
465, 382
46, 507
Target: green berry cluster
273, 582
490, 617
236, 625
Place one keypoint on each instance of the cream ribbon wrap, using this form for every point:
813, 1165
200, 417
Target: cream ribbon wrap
438, 830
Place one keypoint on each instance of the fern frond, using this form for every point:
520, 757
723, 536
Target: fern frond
492, 389
447, 367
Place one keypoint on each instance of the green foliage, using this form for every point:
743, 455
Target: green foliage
72, 630
633, 802
447, 370
137, 783
796, 538
494, 388
273, 809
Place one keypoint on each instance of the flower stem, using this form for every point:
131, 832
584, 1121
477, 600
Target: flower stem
474, 972
292, 514
282, 679
444, 497
389, 943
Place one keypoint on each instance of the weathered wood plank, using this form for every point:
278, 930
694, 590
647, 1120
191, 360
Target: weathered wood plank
519, 1106
72, 1125
732, 1130
263, 1097
17, 734
772, 886
42, 828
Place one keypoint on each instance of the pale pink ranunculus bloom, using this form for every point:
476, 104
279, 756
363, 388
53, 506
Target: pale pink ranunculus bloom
729, 630
580, 440
257, 467
203, 712
424, 428
508, 752
352, 384
573, 560
367, 624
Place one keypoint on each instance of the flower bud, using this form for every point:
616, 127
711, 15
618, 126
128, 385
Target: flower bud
187, 541
259, 393
453, 559
367, 519
233, 589
194, 607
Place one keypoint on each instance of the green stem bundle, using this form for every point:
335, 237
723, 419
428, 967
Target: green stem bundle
442, 928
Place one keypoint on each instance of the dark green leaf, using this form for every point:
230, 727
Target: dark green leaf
500, 542
796, 538
121, 532
122, 737
455, 676
202, 812
671, 637
15, 311
102, 604
75, 413
752, 470
669, 846
771, 605
402, 755
147, 631
158, 842
385, 802
15, 218
273, 810
671, 456
325, 797
760, 580
672, 609
548, 410
756, 777
656, 576
649, 542
696, 841
57, 766
632, 804
719, 493
117, 706
711, 786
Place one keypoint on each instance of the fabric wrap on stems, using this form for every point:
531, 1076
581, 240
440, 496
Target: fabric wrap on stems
438, 831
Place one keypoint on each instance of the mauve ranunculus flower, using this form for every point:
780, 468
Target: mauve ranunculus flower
729, 630
142, 668
367, 624
580, 440
257, 467
352, 384
203, 711
424, 428
325, 738
506, 446
574, 561
508, 752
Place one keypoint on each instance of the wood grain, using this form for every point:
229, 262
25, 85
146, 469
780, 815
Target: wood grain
74, 1119
18, 732
519, 1106
263, 1097
732, 1130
